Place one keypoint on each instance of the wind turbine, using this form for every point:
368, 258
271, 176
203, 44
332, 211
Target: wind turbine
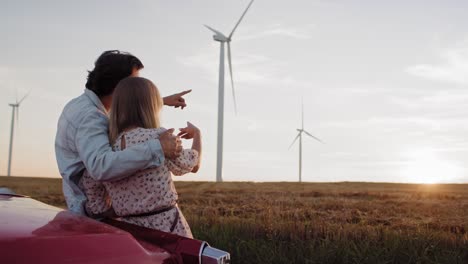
221, 38
299, 136
14, 112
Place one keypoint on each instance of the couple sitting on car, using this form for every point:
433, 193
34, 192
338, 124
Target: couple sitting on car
114, 157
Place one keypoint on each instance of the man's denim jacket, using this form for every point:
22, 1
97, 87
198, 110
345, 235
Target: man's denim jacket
82, 143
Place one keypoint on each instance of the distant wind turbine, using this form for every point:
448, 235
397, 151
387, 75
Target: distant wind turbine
299, 136
14, 112
221, 38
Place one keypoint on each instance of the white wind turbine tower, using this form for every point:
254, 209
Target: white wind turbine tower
299, 136
221, 38
14, 112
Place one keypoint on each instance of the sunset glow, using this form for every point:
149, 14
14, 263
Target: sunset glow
425, 166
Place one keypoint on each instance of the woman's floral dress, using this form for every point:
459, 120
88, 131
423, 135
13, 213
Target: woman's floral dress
146, 191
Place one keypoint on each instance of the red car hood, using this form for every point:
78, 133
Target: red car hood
34, 232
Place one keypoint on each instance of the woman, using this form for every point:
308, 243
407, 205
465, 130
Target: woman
148, 198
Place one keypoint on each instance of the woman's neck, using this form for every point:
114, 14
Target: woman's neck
129, 128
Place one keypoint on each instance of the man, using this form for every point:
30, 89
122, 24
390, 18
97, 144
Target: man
82, 141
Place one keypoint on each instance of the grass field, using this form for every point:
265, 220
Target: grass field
315, 222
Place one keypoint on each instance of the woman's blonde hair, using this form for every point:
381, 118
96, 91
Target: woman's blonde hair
136, 103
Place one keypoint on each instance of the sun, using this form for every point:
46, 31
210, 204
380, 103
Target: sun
424, 166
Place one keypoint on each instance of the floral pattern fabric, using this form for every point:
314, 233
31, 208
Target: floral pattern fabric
145, 191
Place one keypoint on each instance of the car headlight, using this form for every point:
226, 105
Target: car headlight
212, 255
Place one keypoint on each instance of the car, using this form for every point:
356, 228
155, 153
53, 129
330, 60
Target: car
34, 232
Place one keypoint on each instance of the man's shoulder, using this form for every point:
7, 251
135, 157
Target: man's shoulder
79, 108
80, 104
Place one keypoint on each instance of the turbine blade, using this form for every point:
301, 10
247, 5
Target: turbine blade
238, 22
24, 97
302, 104
294, 141
232, 79
214, 31
307, 133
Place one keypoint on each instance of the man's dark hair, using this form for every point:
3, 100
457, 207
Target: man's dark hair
111, 67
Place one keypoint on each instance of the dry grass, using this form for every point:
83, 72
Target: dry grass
316, 222
48, 190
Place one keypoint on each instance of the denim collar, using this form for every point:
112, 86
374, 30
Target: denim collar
95, 99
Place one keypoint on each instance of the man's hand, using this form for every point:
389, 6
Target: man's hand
171, 145
176, 100
188, 132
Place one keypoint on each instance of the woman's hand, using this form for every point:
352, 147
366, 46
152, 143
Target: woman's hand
171, 145
189, 132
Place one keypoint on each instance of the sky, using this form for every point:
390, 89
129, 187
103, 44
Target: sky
384, 83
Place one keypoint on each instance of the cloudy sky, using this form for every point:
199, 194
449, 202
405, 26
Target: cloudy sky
384, 83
